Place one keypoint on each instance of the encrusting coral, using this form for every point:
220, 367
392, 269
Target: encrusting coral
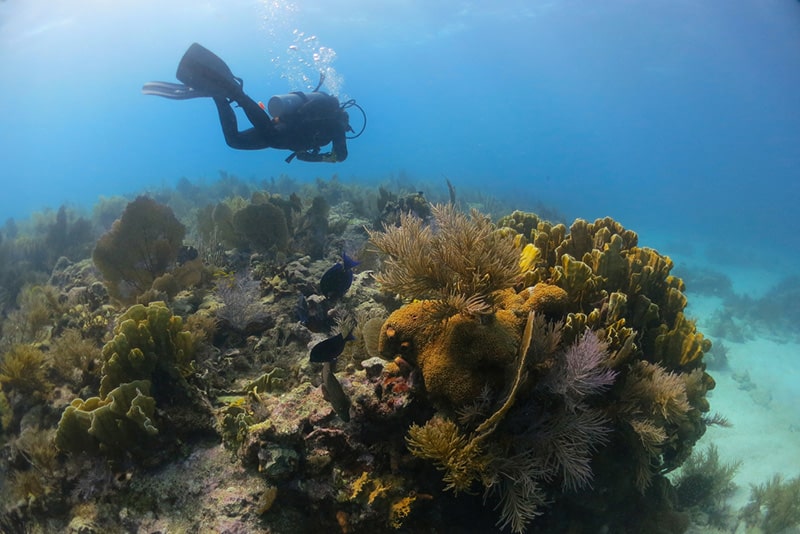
619, 362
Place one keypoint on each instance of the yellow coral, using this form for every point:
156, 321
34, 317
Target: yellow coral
400, 510
681, 346
379, 489
147, 339
528, 257
359, 484
461, 458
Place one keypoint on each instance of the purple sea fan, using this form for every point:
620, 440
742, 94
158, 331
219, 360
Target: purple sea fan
241, 296
581, 370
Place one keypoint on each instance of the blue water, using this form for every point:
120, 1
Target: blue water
679, 118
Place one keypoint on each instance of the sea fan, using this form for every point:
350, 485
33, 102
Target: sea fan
241, 297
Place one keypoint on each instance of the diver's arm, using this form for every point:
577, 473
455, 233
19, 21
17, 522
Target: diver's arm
327, 157
338, 152
339, 148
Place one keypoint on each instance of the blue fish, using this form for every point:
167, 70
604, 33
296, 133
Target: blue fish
330, 349
338, 279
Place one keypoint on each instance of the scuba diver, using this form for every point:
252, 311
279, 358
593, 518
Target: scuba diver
301, 122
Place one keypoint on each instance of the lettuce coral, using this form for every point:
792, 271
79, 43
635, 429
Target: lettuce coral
121, 421
144, 363
149, 343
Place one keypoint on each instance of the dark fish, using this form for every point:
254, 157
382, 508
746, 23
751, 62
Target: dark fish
186, 254
330, 349
301, 309
332, 392
337, 280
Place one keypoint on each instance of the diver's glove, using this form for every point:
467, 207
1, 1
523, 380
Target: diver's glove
313, 156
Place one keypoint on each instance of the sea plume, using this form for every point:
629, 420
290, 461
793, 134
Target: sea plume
581, 370
458, 259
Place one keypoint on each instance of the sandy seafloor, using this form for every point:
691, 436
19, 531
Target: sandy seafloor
763, 410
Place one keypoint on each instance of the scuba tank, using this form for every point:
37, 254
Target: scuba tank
284, 105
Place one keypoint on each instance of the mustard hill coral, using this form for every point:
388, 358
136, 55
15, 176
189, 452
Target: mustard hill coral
142, 245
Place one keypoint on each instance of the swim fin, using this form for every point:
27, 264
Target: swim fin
175, 91
203, 71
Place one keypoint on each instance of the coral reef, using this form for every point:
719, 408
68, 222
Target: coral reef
636, 384
523, 374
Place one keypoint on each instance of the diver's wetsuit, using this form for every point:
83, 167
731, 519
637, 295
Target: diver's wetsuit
315, 124
309, 122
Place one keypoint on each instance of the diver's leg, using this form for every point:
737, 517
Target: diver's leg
252, 139
257, 116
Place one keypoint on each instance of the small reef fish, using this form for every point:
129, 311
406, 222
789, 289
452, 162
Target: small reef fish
338, 279
301, 309
186, 254
330, 349
333, 393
